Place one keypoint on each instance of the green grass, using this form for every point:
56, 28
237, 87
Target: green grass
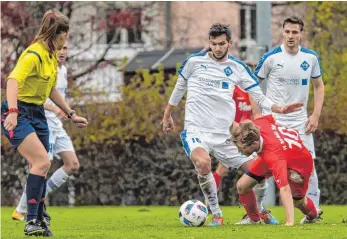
163, 222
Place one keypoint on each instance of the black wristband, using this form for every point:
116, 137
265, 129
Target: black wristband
72, 112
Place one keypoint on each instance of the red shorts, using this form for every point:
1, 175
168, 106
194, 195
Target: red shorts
298, 174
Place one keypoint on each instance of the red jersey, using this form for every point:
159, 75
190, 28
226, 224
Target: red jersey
243, 105
282, 150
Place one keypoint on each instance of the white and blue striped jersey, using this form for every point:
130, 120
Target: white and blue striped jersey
52, 119
210, 86
288, 79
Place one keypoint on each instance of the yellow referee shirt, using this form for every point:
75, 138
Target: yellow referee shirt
36, 73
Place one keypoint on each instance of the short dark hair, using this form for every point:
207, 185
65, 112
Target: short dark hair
294, 20
218, 29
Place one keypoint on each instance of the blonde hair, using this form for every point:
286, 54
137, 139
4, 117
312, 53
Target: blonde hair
52, 24
248, 132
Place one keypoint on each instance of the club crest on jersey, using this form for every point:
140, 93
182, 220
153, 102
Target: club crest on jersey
304, 65
228, 71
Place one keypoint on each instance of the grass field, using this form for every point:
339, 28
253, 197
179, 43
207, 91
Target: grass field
163, 222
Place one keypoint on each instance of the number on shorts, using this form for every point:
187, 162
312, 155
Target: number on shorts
196, 139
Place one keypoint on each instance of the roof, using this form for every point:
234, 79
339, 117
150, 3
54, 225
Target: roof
168, 58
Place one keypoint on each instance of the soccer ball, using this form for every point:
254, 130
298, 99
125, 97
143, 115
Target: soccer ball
193, 213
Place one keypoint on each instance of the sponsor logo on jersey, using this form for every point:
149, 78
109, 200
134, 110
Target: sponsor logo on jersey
290, 81
244, 107
228, 71
304, 65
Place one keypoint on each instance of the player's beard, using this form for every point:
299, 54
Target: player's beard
220, 58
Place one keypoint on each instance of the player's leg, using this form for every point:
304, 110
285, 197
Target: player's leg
299, 182
198, 151
33, 150
247, 198
313, 191
219, 174
260, 192
63, 149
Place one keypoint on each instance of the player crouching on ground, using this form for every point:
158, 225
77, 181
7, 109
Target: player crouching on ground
281, 154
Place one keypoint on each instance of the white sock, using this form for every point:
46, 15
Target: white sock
22, 205
313, 191
260, 193
209, 189
58, 178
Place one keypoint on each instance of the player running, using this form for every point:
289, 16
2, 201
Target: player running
288, 70
60, 144
209, 79
281, 154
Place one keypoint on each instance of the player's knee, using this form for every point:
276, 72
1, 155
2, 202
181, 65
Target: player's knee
74, 166
203, 166
299, 202
241, 187
43, 165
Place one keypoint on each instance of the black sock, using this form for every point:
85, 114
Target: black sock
34, 192
42, 202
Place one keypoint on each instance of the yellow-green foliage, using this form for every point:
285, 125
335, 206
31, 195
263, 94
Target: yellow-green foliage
327, 32
136, 116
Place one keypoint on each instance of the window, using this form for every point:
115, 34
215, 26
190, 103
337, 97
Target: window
129, 20
248, 27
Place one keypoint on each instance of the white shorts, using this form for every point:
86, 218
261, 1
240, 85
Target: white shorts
59, 142
215, 144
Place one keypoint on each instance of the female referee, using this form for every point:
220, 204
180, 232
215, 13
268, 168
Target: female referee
30, 83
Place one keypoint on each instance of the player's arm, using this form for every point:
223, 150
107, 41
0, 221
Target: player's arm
256, 112
318, 90
60, 114
176, 96
249, 82
58, 99
278, 167
180, 89
24, 67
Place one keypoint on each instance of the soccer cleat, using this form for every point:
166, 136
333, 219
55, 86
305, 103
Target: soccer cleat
306, 220
217, 220
47, 232
18, 215
46, 217
266, 216
33, 228
247, 221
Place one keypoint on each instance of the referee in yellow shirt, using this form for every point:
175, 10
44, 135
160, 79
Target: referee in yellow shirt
23, 120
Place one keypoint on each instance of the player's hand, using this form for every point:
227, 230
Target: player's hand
11, 121
312, 124
60, 114
287, 108
168, 124
79, 121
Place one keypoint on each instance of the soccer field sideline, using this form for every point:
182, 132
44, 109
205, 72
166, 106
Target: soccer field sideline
162, 222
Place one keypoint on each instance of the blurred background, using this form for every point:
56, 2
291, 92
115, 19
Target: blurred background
122, 65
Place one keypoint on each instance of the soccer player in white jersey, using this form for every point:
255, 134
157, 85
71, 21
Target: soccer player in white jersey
209, 79
60, 143
288, 70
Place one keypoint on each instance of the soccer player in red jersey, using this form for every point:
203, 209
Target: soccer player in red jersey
243, 112
281, 154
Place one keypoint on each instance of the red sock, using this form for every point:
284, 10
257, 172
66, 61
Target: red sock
309, 210
250, 204
218, 179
